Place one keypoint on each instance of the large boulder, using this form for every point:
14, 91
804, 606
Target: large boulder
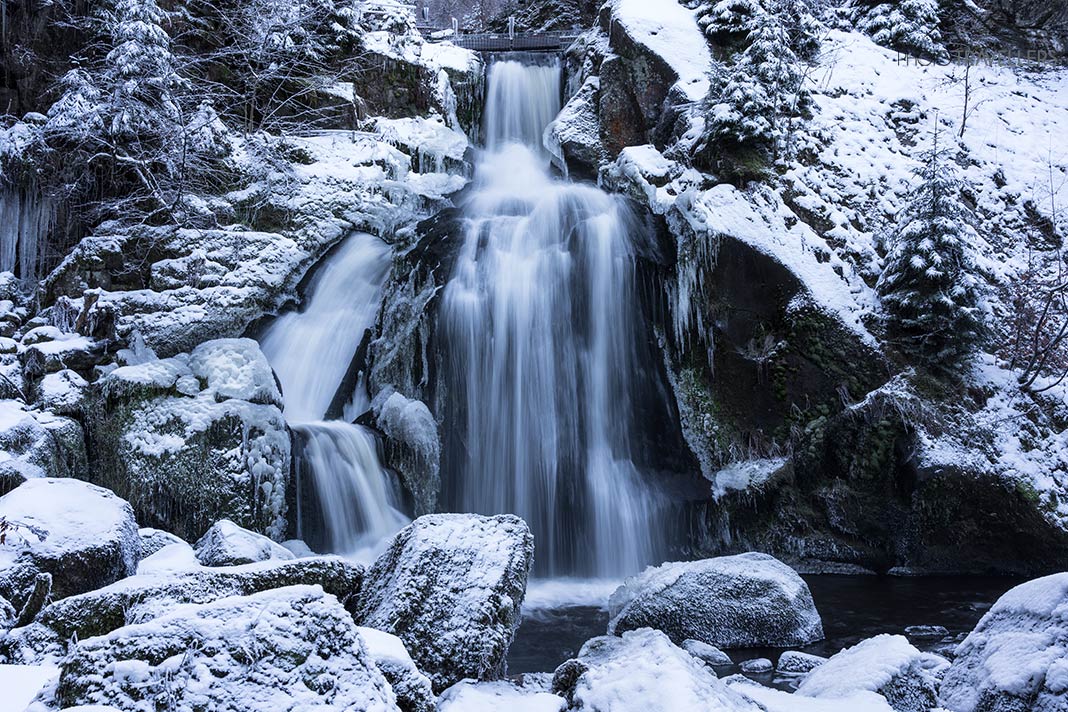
887, 665
741, 601
642, 670
82, 535
195, 438
1016, 659
451, 587
227, 544
288, 649
146, 596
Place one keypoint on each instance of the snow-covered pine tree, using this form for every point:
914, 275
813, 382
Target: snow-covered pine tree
904, 25
139, 73
727, 23
929, 288
803, 25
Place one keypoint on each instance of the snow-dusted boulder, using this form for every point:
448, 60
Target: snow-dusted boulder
37, 444
709, 653
227, 544
146, 596
886, 664
81, 534
794, 662
291, 648
451, 587
414, 691
747, 600
152, 540
642, 670
235, 368
1017, 657
413, 445
173, 440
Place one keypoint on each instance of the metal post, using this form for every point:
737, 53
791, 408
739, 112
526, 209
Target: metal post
455, 27
511, 28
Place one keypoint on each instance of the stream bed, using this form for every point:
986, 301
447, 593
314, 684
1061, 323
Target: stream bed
560, 616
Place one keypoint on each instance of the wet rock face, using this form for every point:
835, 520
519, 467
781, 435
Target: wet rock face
1015, 658
748, 600
288, 648
83, 535
451, 587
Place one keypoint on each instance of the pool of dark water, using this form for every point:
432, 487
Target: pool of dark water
852, 607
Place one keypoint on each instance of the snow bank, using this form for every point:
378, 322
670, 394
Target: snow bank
503, 696
451, 586
21, 683
747, 600
1017, 656
779, 701
414, 690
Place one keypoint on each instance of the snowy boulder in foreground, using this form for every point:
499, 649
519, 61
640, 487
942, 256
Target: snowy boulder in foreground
451, 586
227, 544
642, 670
747, 600
886, 664
498, 696
1017, 656
794, 662
709, 653
413, 689
152, 540
146, 596
291, 648
81, 534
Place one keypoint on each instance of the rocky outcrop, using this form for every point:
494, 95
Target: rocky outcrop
227, 544
575, 134
744, 601
284, 649
451, 587
887, 665
143, 597
196, 438
1016, 658
82, 535
642, 670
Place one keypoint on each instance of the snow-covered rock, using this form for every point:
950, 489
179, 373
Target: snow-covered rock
81, 534
145, 596
451, 587
413, 444
152, 540
176, 557
575, 134
227, 544
235, 368
886, 664
746, 600
37, 444
291, 648
1017, 656
170, 438
413, 689
794, 662
709, 653
756, 666
498, 696
642, 670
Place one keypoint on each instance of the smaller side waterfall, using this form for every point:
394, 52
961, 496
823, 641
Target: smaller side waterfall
312, 351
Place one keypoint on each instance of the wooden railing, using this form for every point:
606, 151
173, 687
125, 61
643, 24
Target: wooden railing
514, 42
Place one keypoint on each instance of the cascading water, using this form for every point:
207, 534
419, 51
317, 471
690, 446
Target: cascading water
539, 321
311, 351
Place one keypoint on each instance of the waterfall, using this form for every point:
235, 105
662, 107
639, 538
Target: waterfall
539, 320
312, 351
